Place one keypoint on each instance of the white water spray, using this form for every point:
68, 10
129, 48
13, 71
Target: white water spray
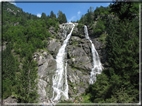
60, 84
97, 66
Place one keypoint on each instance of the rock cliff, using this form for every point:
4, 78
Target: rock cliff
79, 59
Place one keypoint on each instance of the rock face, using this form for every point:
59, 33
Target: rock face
53, 47
79, 59
10, 100
46, 69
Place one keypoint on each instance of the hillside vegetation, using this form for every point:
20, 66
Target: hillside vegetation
115, 26
23, 34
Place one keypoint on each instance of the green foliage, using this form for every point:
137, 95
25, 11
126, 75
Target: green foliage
9, 68
80, 25
86, 98
43, 16
52, 15
24, 33
83, 19
101, 11
28, 83
116, 25
99, 28
61, 17
123, 10
92, 15
52, 22
102, 38
99, 90
89, 16
120, 82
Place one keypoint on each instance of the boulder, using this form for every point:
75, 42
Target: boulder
52, 30
10, 100
41, 60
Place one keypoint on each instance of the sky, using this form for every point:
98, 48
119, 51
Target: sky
73, 11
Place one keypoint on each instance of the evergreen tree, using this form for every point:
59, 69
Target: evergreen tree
43, 16
9, 69
52, 15
90, 17
62, 17
120, 82
126, 10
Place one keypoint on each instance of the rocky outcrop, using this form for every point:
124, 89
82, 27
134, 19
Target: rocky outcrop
53, 47
78, 57
3, 46
46, 69
10, 100
78, 54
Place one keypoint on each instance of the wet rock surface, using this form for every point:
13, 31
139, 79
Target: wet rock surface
79, 59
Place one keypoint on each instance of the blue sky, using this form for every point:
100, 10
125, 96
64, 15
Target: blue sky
73, 11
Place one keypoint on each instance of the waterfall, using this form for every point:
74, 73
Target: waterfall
97, 66
60, 84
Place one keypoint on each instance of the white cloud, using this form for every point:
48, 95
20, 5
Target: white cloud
75, 17
38, 15
78, 12
72, 18
13, 3
108, 3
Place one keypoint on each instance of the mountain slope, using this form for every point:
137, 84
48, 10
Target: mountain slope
31, 45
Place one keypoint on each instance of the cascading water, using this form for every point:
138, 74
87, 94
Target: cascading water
97, 66
60, 84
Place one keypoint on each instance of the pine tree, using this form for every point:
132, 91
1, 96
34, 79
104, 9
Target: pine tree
62, 17
52, 15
